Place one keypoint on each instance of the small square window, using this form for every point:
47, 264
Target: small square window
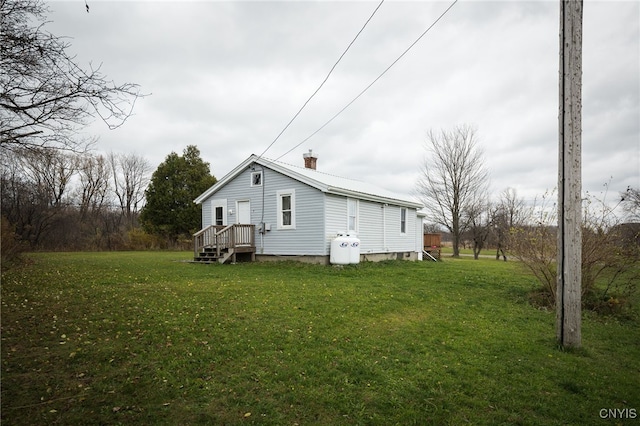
256, 179
286, 218
286, 202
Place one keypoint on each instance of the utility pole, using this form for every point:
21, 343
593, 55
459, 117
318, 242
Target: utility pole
569, 289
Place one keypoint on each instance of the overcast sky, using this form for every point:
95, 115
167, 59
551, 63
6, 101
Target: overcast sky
228, 76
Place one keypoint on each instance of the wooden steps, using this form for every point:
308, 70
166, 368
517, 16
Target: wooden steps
225, 244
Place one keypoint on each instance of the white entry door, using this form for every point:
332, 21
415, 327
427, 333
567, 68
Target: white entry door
244, 212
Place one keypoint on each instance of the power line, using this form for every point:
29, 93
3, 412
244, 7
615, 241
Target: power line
373, 82
324, 81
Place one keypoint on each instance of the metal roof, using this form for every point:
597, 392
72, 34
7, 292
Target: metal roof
324, 182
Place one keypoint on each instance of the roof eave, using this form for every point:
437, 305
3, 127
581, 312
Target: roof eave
374, 198
304, 179
297, 176
228, 177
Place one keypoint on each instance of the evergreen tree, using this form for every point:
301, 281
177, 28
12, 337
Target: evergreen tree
170, 210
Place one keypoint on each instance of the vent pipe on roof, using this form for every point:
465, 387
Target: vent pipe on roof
310, 160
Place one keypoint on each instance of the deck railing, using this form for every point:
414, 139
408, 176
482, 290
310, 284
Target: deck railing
223, 237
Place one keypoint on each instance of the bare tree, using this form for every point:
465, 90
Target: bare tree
34, 190
630, 200
94, 173
50, 171
452, 177
479, 217
130, 173
45, 96
431, 228
506, 215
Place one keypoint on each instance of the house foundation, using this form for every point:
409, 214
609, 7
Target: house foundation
324, 260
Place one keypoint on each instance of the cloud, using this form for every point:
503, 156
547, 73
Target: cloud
228, 76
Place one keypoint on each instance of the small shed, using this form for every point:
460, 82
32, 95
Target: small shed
432, 245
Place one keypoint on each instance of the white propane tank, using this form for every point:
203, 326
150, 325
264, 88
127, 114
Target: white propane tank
354, 247
339, 250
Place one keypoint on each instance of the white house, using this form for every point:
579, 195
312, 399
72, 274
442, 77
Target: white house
296, 212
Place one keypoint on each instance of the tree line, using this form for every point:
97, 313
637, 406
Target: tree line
60, 200
56, 193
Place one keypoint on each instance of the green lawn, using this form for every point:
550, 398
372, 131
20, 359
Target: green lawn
448, 251
143, 338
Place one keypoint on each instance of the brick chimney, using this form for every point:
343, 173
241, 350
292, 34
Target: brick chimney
310, 160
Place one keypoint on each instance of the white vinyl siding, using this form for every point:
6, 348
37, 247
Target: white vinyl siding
396, 240
307, 203
378, 225
419, 231
370, 227
308, 237
335, 212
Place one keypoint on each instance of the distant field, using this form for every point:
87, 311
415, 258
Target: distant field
146, 338
449, 251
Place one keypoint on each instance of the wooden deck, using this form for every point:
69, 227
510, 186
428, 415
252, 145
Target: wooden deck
222, 244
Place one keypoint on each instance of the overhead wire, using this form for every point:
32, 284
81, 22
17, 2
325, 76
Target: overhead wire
373, 82
323, 82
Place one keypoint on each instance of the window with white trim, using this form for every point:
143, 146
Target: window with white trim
219, 211
403, 221
352, 214
256, 178
286, 209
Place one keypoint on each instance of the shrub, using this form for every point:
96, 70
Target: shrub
534, 244
610, 263
141, 240
11, 247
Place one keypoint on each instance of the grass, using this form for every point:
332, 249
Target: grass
142, 338
448, 251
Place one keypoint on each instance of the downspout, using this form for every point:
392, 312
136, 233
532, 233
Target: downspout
264, 183
261, 242
384, 227
262, 230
